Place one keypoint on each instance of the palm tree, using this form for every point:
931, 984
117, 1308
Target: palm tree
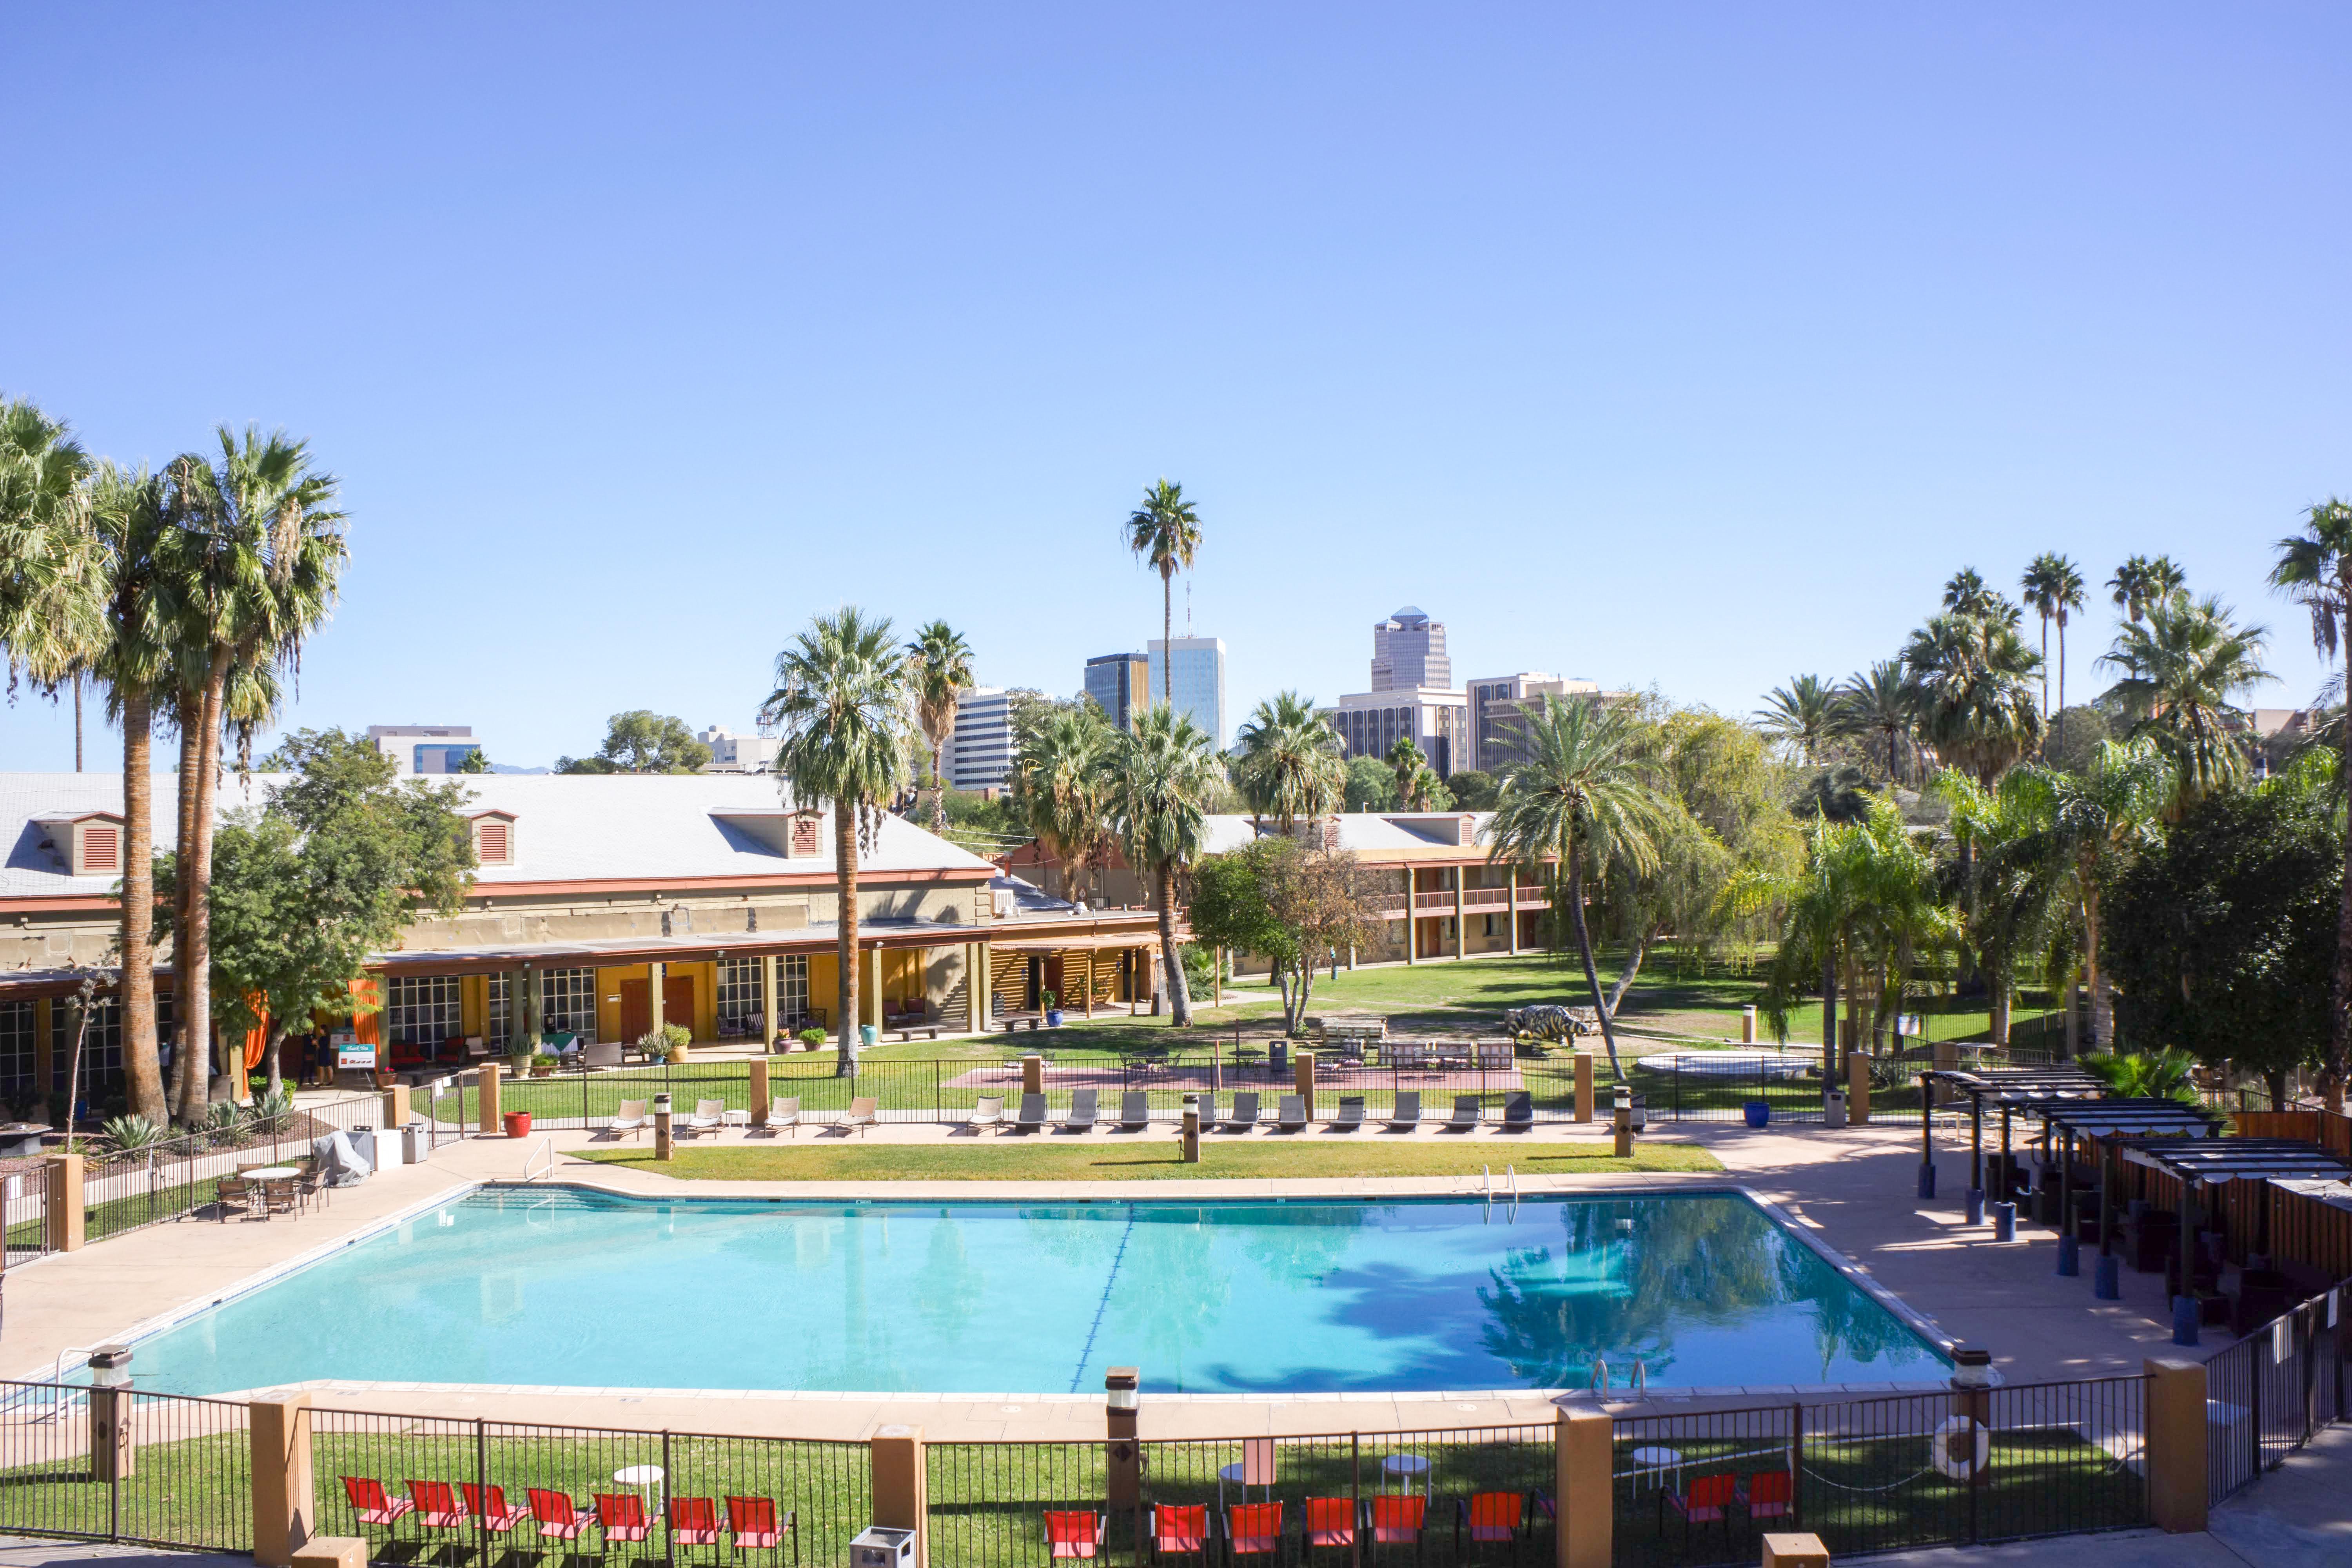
940, 664
1165, 531
1157, 777
2182, 665
1967, 594
1405, 760
1801, 714
1290, 763
2315, 569
1057, 787
1878, 703
2053, 588
842, 697
1579, 794
2141, 581
2161, 1075
254, 547
1971, 684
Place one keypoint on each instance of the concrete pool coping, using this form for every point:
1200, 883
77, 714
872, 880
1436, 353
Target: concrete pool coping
860, 1194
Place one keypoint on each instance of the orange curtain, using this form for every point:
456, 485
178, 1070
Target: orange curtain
257, 1039
363, 1028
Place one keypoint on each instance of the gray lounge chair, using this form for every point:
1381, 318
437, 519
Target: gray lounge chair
1519, 1113
1135, 1110
861, 1115
1291, 1115
631, 1119
709, 1116
1466, 1114
1033, 1113
1246, 1115
988, 1110
1352, 1114
1083, 1112
785, 1115
1406, 1115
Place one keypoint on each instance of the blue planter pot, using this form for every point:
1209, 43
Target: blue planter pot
1760, 1112
1054, 1019
868, 1034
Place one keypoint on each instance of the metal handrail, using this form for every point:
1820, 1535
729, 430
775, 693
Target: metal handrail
547, 1148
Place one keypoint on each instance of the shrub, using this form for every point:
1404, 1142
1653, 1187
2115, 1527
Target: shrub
812, 1037
130, 1134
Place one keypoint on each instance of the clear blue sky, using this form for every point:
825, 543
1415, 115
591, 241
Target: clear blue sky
1692, 345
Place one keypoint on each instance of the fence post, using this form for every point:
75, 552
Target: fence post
1795, 1552
894, 1461
2174, 1416
395, 1108
1588, 1498
759, 1091
285, 1506
1584, 1086
64, 1226
485, 1090
1857, 1089
1032, 1074
1302, 1073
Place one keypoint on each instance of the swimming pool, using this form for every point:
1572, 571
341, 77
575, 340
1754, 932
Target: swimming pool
572, 1288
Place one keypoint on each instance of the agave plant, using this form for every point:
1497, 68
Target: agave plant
224, 1122
132, 1135
272, 1112
2134, 1075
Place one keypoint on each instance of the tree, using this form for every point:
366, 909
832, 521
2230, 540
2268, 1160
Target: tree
1289, 767
2075, 735
2141, 581
476, 762
1294, 903
1165, 531
1970, 679
640, 741
2054, 586
1968, 594
2182, 664
2315, 569
1370, 785
1877, 702
1801, 715
1058, 786
942, 668
2223, 938
1156, 777
1577, 794
841, 697
1473, 789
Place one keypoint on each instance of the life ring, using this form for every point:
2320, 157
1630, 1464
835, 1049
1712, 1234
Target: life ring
1951, 1464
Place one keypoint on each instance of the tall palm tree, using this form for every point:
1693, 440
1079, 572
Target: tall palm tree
1157, 778
1166, 530
941, 663
2315, 569
2141, 581
1801, 714
2054, 588
1058, 786
1971, 680
1878, 703
1290, 764
2183, 665
51, 585
1967, 594
842, 697
255, 548
1579, 794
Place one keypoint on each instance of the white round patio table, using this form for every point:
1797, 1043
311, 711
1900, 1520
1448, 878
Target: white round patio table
648, 1477
269, 1173
1656, 1460
1405, 1467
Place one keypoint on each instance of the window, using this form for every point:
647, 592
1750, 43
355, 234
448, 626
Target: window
424, 1009
15, 1047
567, 1001
739, 989
501, 1022
102, 1048
791, 986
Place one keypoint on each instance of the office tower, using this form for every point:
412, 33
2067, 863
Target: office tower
979, 751
1409, 653
1199, 666
425, 748
1499, 702
1437, 720
1117, 683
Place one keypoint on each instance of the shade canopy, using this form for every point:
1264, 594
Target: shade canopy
2018, 1086
2237, 1159
2154, 1117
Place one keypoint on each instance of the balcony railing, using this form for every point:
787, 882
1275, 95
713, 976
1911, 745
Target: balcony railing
1440, 902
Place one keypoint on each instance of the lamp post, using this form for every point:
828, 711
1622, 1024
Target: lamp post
662, 1145
1122, 1395
110, 1451
1622, 1113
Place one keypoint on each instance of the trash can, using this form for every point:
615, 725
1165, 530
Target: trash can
363, 1141
1834, 1108
415, 1143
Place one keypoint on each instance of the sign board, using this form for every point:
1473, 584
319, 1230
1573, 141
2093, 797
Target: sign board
350, 1056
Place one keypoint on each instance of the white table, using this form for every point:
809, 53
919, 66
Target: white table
735, 1119
1406, 1468
648, 1477
271, 1176
1658, 1460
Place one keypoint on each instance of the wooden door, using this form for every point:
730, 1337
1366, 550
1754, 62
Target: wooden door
636, 1005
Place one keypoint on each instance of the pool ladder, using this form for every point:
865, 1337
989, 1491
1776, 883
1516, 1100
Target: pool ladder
546, 1152
1641, 1384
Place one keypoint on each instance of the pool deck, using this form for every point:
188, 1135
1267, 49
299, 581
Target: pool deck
1853, 1189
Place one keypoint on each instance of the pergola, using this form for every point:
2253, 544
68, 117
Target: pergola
2222, 1159
2010, 1088
2171, 1122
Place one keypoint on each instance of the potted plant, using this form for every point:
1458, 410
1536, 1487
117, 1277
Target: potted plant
519, 1062
1053, 1011
813, 1038
675, 1040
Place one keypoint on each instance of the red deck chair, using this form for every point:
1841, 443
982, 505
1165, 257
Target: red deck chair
502, 1515
557, 1516
1397, 1518
1253, 1529
371, 1505
622, 1518
1766, 1494
1178, 1531
1490, 1516
436, 1504
693, 1521
751, 1522
1074, 1532
1330, 1522
1708, 1502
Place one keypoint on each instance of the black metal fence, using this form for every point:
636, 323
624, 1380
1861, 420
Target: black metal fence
124, 1466
1882, 1474
125, 1190
2272, 1392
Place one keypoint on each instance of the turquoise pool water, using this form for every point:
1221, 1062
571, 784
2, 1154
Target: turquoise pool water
559, 1286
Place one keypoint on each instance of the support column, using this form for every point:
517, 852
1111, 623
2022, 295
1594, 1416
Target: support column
486, 1095
2177, 1431
285, 1504
67, 1220
1857, 1089
1090, 983
774, 1024
1302, 1077
522, 1009
894, 1460
1461, 918
655, 975
759, 1091
983, 1010
869, 989
1588, 1502
1511, 881
1032, 1074
1584, 1086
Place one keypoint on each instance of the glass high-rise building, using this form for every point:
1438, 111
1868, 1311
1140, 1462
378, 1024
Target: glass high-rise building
1199, 669
1116, 682
1409, 653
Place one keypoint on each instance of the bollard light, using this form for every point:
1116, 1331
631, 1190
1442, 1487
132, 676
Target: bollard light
109, 1366
1120, 1390
1971, 1367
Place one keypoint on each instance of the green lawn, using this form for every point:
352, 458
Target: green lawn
1149, 1157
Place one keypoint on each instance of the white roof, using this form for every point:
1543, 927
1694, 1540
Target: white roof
568, 827
1366, 832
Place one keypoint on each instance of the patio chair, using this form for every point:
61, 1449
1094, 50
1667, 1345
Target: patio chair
1489, 1516
437, 1505
693, 1521
371, 1504
753, 1525
709, 1116
1406, 1114
1082, 1111
1134, 1110
232, 1194
557, 1517
622, 1517
859, 1115
988, 1110
1253, 1529
785, 1115
1245, 1113
500, 1516
1032, 1115
313, 1183
1519, 1111
1074, 1532
1330, 1522
1708, 1502
1351, 1114
1766, 1494
630, 1119
1290, 1115
1466, 1114
1397, 1518
1179, 1531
